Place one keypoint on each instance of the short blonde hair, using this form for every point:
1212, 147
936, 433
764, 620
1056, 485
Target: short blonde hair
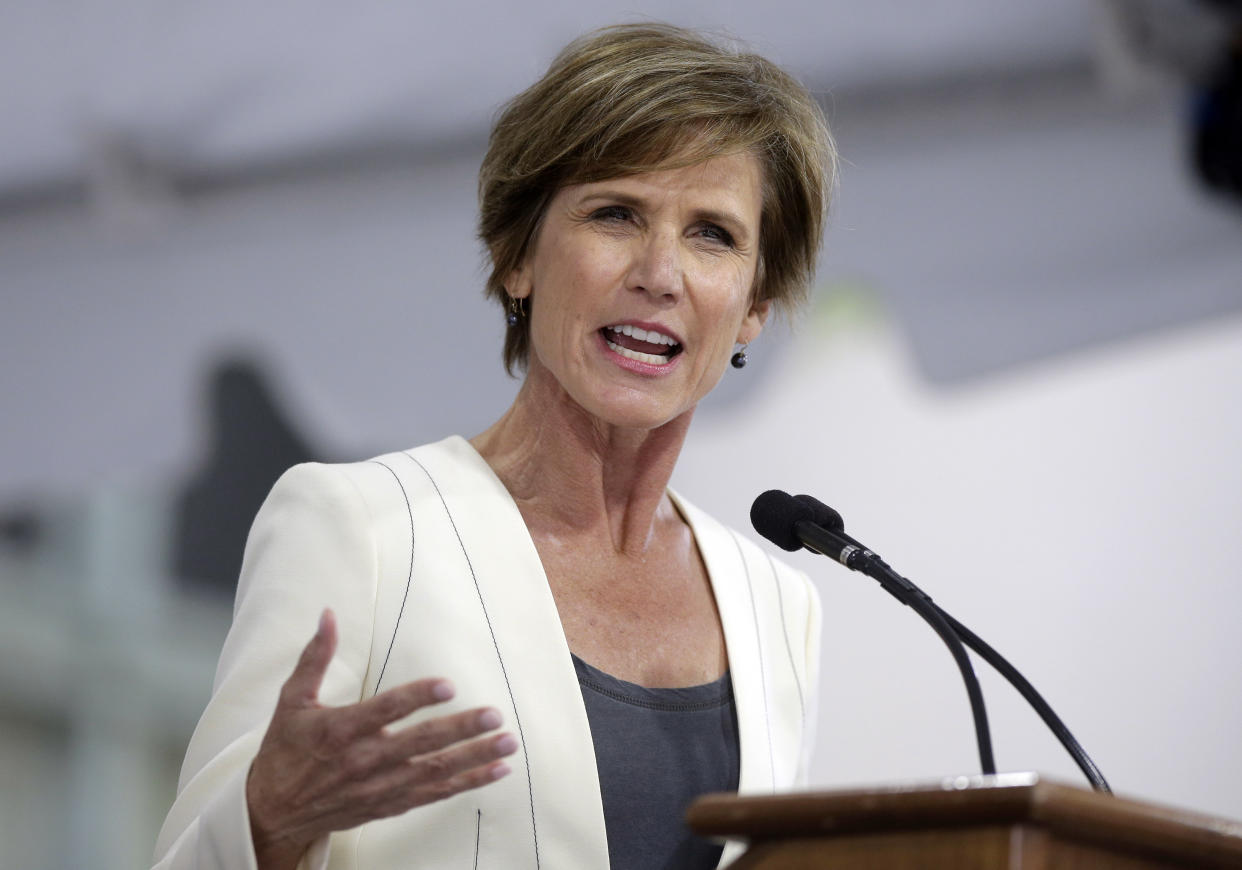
635, 98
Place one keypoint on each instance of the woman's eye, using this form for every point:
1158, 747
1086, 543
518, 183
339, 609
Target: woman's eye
716, 233
611, 213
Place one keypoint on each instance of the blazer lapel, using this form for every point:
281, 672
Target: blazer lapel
731, 583
557, 757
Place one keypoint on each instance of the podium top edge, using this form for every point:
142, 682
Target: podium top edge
972, 801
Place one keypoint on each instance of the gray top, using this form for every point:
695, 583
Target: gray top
657, 750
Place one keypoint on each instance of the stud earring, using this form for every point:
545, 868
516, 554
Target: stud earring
739, 359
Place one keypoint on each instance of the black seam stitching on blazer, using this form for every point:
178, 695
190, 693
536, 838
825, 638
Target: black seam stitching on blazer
478, 828
793, 665
409, 577
530, 788
763, 679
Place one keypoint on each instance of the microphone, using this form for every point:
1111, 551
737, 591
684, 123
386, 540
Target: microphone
792, 522
774, 515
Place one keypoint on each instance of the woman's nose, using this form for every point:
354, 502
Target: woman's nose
656, 268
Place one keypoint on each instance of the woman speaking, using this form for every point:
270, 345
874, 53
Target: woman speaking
530, 652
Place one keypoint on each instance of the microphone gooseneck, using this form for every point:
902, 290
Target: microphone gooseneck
789, 519
1002, 666
813, 524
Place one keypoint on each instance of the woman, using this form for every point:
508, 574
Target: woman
644, 205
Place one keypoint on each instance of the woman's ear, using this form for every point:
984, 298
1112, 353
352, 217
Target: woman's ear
517, 282
752, 323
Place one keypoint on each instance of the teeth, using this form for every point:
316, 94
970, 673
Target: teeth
643, 334
649, 358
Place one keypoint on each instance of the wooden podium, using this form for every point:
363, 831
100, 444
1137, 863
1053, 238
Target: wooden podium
1010, 821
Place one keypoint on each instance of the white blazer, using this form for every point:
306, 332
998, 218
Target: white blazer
430, 570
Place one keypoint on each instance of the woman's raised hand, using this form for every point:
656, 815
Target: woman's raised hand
322, 769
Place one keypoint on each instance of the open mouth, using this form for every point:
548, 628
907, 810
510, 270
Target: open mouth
641, 345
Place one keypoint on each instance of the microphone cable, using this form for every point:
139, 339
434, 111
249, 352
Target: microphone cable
792, 525
785, 521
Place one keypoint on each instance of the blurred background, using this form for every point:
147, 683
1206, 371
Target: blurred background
235, 236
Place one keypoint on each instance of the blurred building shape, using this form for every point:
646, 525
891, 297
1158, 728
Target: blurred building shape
251, 442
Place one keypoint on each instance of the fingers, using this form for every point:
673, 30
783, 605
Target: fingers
429, 778
434, 777
441, 732
422, 781
434, 750
374, 713
476, 753
302, 687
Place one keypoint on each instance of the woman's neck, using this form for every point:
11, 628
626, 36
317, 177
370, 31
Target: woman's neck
572, 474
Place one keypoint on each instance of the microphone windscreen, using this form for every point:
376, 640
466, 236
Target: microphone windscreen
820, 514
773, 515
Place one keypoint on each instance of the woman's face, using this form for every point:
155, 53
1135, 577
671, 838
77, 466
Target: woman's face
640, 286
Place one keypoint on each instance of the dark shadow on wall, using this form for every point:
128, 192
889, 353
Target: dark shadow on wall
251, 444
